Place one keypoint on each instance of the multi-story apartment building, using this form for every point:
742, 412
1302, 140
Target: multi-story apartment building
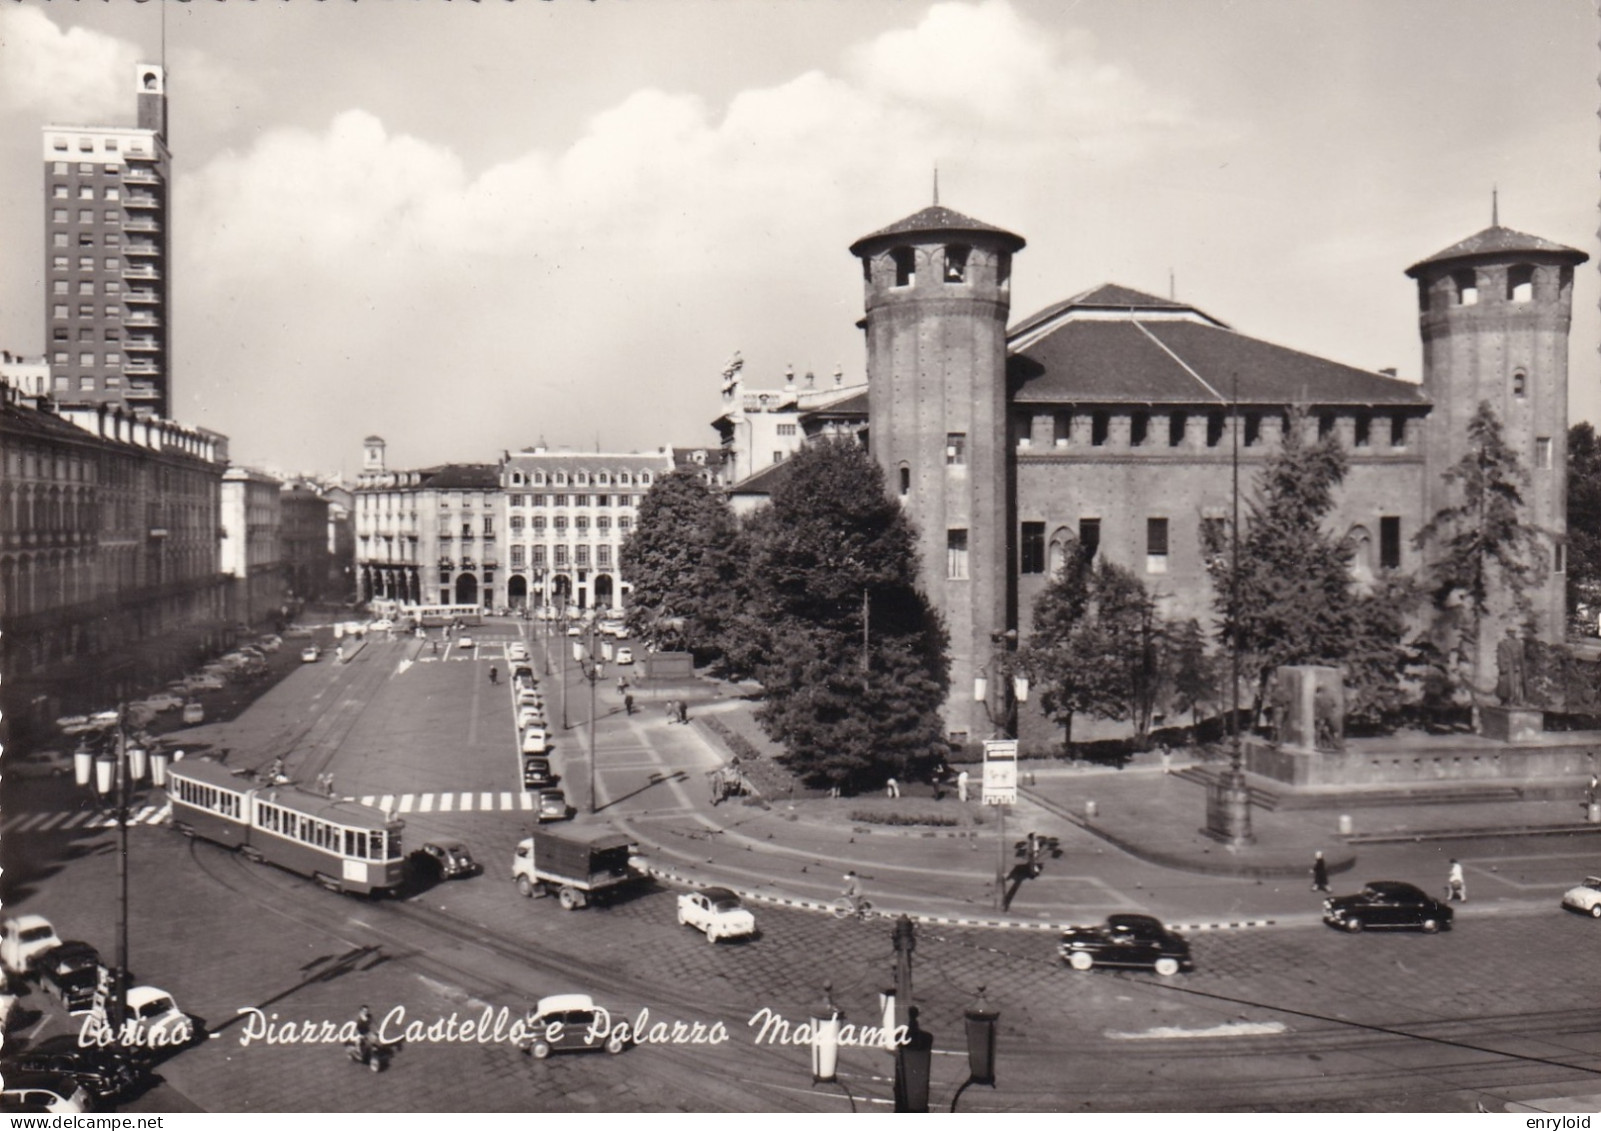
109, 579
762, 427
307, 548
108, 245
567, 515
427, 537
251, 545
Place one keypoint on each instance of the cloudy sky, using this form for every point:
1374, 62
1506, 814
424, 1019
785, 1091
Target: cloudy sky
470, 227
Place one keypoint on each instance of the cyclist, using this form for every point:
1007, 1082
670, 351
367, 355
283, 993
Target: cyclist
853, 891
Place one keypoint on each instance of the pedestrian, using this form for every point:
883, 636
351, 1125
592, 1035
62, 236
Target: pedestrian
683, 711
628, 704
672, 711
1167, 757
961, 786
1589, 795
1456, 885
892, 788
1320, 873
494, 674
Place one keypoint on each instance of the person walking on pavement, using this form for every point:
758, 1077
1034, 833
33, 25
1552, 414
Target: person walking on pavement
628, 703
1320, 873
494, 674
1456, 885
892, 788
961, 786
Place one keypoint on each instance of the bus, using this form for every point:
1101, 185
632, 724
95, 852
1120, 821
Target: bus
433, 616
342, 845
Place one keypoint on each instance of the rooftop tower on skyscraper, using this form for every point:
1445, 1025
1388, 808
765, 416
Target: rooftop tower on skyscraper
108, 256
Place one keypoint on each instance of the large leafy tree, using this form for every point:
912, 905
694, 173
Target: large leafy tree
853, 659
679, 560
1481, 550
1290, 599
1584, 516
1098, 646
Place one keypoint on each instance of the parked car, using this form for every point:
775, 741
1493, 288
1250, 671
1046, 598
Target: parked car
37, 764
270, 643
193, 713
537, 773
25, 937
536, 740
1586, 897
297, 632
448, 860
70, 973
569, 1023
552, 803
107, 1074
530, 717
464, 642
530, 698
206, 681
164, 701
309, 654
517, 651
718, 912
161, 1024
625, 655
53, 1092
1126, 940
383, 625
1387, 905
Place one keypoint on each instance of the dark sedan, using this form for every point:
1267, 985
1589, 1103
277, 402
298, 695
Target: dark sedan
1387, 905
106, 1073
446, 861
1126, 940
69, 972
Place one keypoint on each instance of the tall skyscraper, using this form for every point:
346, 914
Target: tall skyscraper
108, 249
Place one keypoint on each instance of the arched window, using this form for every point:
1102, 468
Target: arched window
905, 266
1520, 283
1467, 288
956, 263
906, 480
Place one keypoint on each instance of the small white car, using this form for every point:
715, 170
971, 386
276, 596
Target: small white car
530, 717
161, 1024
24, 937
517, 651
575, 630
718, 912
382, 625
164, 701
464, 642
206, 681
625, 656
529, 698
1586, 897
309, 654
535, 740
193, 713
570, 1023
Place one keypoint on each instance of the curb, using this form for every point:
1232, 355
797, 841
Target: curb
672, 876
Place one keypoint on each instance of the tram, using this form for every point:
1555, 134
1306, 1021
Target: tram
343, 845
432, 616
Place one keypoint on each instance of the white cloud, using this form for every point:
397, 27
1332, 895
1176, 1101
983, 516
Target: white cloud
668, 233
71, 75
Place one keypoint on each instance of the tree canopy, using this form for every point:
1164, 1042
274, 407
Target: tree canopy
853, 661
1584, 516
680, 562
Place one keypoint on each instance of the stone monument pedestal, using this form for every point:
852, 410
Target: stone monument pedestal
1511, 724
1228, 810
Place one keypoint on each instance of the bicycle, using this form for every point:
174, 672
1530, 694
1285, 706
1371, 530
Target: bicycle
847, 907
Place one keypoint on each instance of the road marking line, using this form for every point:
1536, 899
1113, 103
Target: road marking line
388, 803
144, 814
445, 801
369, 799
486, 801
77, 819
1226, 1029
427, 805
466, 803
527, 800
406, 802
505, 801
28, 822
50, 821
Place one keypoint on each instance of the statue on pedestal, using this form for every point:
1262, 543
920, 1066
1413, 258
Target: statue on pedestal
1512, 678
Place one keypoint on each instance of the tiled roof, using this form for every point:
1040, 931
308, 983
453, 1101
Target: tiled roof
762, 482
937, 218
1108, 297
1134, 361
850, 407
463, 477
1498, 241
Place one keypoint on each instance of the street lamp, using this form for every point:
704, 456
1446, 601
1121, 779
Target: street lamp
980, 1021
1004, 723
593, 670
112, 771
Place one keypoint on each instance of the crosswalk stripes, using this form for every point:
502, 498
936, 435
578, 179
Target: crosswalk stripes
406, 801
71, 819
